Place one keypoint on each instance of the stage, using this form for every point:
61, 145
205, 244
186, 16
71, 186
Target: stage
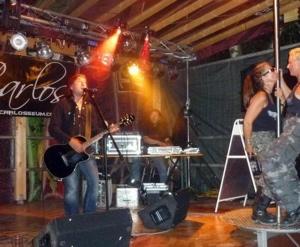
19, 224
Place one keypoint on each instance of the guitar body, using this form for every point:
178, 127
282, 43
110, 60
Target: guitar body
61, 160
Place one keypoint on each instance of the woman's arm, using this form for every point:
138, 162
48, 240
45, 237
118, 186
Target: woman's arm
286, 91
257, 103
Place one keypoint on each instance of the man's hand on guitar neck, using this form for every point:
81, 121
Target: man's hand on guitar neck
113, 128
76, 145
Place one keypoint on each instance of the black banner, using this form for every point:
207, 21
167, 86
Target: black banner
31, 87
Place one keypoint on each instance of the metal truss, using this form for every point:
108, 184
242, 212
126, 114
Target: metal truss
44, 23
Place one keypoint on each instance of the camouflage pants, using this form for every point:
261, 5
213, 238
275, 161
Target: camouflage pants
261, 142
278, 166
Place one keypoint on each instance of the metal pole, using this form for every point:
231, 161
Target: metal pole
187, 109
187, 103
277, 61
277, 58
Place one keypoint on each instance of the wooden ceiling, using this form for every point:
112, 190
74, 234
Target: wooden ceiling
196, 23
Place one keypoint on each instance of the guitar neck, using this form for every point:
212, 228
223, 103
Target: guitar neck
94, 139
123, 122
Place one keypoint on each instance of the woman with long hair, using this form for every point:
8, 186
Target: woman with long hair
260, 128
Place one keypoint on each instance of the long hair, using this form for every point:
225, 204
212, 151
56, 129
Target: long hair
253, 82
248, 91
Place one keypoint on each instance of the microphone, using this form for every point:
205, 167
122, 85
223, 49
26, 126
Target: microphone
90, 90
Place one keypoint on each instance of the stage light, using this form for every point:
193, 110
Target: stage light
13, 2
119, 31
82, 57
75, 25
134, 69
107, 59
137, 74
84, 27
129, 44
147, 38
43, 50
18, 41
145, 52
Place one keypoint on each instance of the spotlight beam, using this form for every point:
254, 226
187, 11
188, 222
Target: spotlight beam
106, 51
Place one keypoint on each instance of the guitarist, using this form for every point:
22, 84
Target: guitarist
75, 115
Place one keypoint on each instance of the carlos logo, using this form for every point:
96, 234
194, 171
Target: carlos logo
35, 89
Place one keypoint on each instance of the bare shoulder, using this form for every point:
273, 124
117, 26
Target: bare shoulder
260, 98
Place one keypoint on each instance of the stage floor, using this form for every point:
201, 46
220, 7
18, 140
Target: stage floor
19, 224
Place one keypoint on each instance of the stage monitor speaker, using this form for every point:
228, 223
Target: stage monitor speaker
160, 214
109, 229
167, 212
182, 198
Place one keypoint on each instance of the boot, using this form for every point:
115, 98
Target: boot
259, 213
292, 218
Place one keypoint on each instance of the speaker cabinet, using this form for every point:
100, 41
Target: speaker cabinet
160, 214
167, 212
182, 198
109, 229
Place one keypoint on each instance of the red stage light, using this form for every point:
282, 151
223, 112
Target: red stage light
145, 54
102, 57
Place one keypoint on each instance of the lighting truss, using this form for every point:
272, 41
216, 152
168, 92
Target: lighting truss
167, 48
42, 23
63, 24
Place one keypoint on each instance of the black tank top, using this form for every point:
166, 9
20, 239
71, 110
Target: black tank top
266, 120
293, 105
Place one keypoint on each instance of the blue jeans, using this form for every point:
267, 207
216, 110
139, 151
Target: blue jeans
72, 185
135, 170
157, 162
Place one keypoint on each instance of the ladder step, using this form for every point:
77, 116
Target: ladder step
237, 156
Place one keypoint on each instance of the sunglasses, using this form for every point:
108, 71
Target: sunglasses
268, 71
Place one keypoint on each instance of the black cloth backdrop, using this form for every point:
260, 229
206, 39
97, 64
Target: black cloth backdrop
30, 86
215, 100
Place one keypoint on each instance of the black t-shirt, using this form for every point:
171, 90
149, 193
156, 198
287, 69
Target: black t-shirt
157, 132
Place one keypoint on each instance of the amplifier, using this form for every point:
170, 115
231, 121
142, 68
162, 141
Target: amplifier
152, 192
101, 195
127, 197
127, 144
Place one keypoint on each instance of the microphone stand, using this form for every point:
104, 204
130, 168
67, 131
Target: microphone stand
91, 95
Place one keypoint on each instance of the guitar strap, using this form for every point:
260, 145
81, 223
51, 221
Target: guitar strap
88, 121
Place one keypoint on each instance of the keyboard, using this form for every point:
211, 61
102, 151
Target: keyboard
191, 150
164, 150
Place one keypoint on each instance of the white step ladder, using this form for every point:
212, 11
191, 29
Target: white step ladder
237, 175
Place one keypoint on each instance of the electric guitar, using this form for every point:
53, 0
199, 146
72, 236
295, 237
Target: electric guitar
61, 160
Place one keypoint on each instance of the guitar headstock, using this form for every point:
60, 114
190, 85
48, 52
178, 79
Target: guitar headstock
127, 120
